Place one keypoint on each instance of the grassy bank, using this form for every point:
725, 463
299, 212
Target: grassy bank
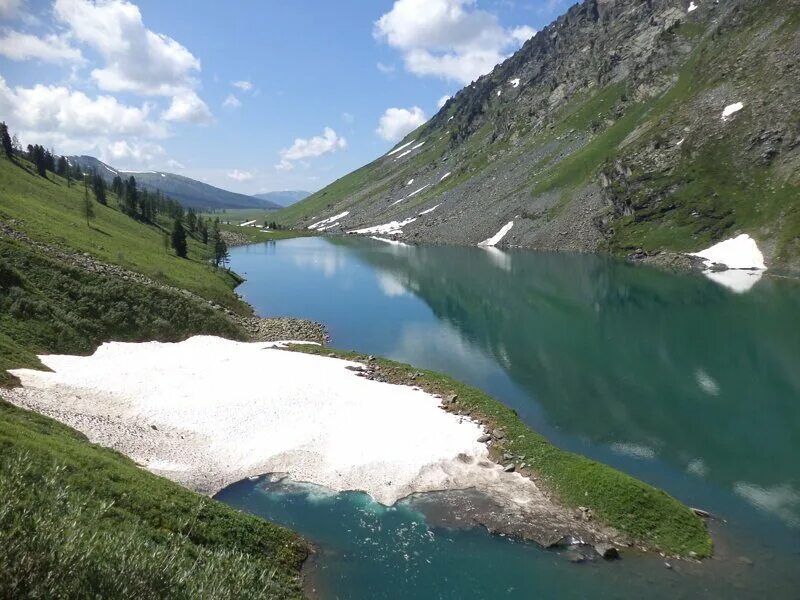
648, 515
77, 520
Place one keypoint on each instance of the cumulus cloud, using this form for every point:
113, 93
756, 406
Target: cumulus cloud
132, 152
135, 59
442, 101
326, 143
397, 122
188, 107
243, 85
231, 102
51, 48
241, 176
450, 39
73, 122
48, 108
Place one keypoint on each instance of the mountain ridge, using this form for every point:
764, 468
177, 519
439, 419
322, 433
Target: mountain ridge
605, 132
189, 192
283, 198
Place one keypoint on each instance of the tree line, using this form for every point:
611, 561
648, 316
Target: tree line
132, 200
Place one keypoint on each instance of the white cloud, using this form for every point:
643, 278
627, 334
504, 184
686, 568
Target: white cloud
450, 39
44, 108
189, 108
397, 122
241, 176
51, 48
442, 101
231, 102
348, 118
133, 152
243, 85
313, 147
9, 8
385, 69
174, 164
136, 59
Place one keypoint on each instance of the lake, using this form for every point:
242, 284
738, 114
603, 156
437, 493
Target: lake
675, 379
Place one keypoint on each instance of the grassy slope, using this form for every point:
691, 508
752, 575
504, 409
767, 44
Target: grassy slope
49, 306
77, 520
49, 211
647, 514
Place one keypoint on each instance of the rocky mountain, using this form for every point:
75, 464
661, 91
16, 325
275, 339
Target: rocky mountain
189, 192
283, 198
626, 126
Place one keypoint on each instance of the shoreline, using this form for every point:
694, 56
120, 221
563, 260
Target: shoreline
454, 448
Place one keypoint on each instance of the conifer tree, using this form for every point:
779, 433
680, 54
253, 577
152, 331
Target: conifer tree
62, 167
179, 239
88, 208
5, 140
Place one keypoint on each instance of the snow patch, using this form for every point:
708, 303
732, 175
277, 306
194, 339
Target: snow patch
740, 252
429, 210
499, 92
420, 145
495, 239
410, 181
391, 228
317, 420
445, 176
247, 224
692, 7
427, 185
396, 150
514, 82
406, 153
332, 219
731, 109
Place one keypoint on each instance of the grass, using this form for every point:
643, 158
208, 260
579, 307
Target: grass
49, 211
48, 306
80, 521
648, 515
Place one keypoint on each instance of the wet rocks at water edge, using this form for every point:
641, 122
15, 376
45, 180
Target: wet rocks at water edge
607, 551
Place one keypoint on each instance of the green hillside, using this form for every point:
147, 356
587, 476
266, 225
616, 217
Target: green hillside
79, 521
66, 286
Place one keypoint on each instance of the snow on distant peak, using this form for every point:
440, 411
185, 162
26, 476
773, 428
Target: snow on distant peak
497, 237
731, 109
406, 153
410, 181
499, 92
445, 176
420, 145
514, 82
692, 7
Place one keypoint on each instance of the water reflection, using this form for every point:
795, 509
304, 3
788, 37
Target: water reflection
673, 378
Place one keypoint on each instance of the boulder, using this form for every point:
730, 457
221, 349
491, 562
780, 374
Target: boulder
607, 551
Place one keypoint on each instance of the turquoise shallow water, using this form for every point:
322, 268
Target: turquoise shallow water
671, 378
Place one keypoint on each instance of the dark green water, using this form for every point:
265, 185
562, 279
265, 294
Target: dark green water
671, 378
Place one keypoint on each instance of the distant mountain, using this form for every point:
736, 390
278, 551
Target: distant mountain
189, 192
285, 198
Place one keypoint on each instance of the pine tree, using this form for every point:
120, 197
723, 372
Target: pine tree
99, 188
179, 239
5, 140
88, 208
221, 255
130, 199
62, 167
116, 186
191, 220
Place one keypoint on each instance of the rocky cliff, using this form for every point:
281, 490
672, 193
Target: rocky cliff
626, 126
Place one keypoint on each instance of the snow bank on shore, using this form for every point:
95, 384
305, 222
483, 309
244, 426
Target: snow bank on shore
740, 252
208, 412
743, 259
497, 237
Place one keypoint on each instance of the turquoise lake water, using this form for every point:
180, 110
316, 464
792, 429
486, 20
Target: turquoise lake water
671, 378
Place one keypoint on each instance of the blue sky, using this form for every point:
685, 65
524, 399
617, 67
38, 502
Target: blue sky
249, 95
